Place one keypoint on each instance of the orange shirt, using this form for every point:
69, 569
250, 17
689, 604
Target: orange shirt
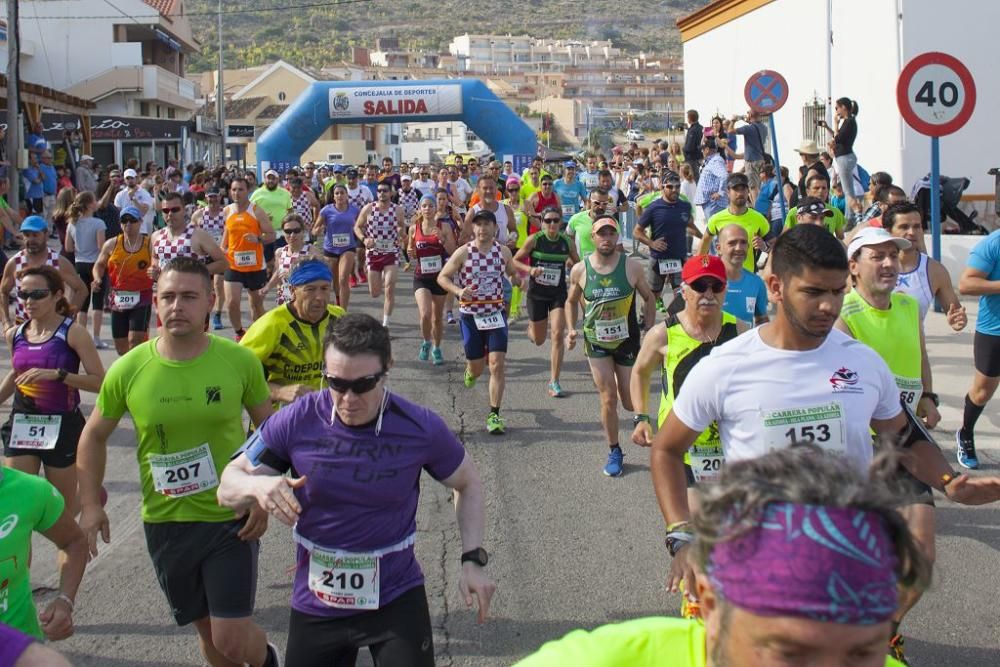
127, 274
244, 256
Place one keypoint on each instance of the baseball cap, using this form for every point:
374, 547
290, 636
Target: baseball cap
351, 173
130, 173
34, 223
269, 172
405, 177
737, 180
700, 266
813, 206
874, 236
603, 222
671, 177
339, 169
569, 164
213, 192
86, 157
132, 212
513, 180
483, 214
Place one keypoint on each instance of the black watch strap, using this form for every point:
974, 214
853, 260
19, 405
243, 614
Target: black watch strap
478, 556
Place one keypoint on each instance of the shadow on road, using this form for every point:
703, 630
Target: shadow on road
980, 525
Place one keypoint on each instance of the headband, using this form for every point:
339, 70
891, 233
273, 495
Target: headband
310, 271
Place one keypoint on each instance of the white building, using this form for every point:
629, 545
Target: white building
518, 53
425, 143
870, 41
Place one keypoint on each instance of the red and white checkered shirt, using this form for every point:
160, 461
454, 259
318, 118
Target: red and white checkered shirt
301, 206
166, 248
214, 224
285, 259
382, 228
485, 272
20, 264
409, 201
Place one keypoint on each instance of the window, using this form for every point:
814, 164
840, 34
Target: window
281, 96
334, 157
143, 108
170, 112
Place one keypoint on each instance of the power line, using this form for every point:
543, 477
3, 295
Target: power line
254, 10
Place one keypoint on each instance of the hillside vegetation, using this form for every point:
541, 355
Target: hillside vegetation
320, 35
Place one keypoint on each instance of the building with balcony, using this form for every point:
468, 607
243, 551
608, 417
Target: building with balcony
506, 54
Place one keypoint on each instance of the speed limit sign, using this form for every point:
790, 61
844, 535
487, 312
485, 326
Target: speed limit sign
936, 94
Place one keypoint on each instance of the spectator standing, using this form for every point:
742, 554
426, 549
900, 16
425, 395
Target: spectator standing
754, 134
711, 193
692, 142
85, 237
86, 177
34, 190
50, 183
842, 145
35, 141
133, 195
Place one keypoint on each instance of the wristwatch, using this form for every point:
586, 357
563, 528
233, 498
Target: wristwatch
637, 419
62, 372
934, 398
478, 556
674, 543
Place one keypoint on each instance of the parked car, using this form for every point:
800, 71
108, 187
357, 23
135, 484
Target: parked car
634, 135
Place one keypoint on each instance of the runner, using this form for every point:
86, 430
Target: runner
818, 186
45, 381
409, 198
125, 261
663, 228
447, 214
506, 233
212, 219
570, 190
276, 202
981, 278
288, 339
607, 281
549, 252
358, 582
746, 293
889, 322
335, 223
767, 593
85, 235
796, 380
581, 225
590, 177
293, 229
538, 202
204, 555
922, 277
29, 504
358, 195
738, 212
304, 202
179, 239
430, 245
248, 230
380, 228
35, 253
474, 274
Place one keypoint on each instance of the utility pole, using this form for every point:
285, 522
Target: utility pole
220, 101
13, 104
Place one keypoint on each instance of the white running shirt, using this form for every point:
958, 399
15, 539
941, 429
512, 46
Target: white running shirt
762, 397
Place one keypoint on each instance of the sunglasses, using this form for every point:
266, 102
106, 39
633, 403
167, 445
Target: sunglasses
384, 190
359, 386
703, 284
552, 220
511, 188
292, 231
130, 221
172, 209
35, 294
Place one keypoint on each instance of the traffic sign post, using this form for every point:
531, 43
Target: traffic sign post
936, 95
765, 92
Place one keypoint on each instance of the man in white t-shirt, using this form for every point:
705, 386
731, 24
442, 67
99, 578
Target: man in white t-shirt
133, 194
796, 379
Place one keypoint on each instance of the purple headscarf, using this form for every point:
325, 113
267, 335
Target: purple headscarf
832, 564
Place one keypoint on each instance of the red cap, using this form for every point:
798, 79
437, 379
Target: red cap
700, 266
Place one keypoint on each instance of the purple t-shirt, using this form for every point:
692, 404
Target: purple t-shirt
12, 645
361, 490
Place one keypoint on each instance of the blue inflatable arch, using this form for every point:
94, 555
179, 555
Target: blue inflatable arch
326, 103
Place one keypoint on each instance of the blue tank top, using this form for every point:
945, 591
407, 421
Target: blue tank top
45, 396
339, 236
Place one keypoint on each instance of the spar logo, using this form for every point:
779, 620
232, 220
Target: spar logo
844, 380
341, 102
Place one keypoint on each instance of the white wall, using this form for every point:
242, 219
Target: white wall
790, 36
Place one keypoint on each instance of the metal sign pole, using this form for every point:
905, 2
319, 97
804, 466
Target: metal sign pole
936, 197
777, 168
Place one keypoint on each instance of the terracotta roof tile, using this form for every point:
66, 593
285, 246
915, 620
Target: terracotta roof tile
165, 7
272, 111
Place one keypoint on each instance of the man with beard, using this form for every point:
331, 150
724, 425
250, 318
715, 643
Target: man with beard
738, 212
276, 202
382, 233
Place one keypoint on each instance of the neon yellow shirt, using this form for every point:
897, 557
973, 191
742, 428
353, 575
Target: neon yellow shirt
753, 222
276, 203
834, 224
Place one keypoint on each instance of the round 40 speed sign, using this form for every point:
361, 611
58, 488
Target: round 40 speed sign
936, 94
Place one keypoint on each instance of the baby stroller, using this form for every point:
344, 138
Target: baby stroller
951, 196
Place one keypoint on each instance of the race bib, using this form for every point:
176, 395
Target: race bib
35, 431
340, 240
184, 473
550, 276
610, 331
344, 581
568, 211
821, 425
385, 245
492, 321
910, 390
706, 463
430, 264
245, 257
126, 300
668, 266
751, 304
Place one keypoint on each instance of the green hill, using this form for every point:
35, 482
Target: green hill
319, 35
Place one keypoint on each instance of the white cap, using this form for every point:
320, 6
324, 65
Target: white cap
272, 171
86, 157
874, 236
130, 173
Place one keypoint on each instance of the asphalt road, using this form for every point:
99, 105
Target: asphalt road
570, 547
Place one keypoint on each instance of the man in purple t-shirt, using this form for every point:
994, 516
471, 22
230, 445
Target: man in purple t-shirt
358, 451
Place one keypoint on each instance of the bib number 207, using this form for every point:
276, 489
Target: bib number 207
182, 473
810, 433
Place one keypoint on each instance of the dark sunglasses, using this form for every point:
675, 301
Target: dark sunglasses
553, 220
703, 284
383, 190
293, 231
511, 188
130, 221
359, 386
35, 294
172, 209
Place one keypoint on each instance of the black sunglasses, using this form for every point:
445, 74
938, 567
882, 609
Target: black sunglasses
297, 230
702, 284
359, 386
552, 219
383, 190
172, 209
35, 294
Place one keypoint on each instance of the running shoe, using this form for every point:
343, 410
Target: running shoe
425, 351
615, 461
966, 450
660, 308
494, 424
100, 344
436, 356
273, 658
555, 391
353, 281
896, 648
450, 317
363, 279
470, 379
217, 321
239, 335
